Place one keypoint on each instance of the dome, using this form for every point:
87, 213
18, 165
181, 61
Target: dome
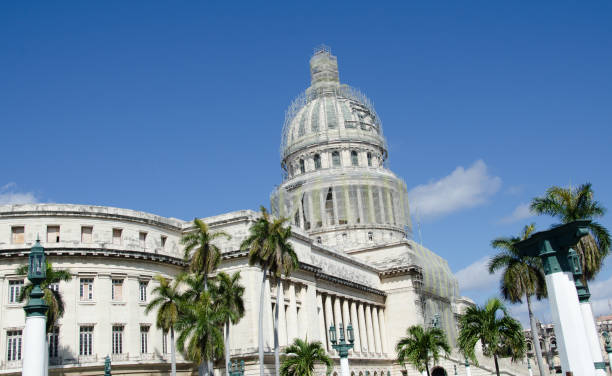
335, 183
329, 112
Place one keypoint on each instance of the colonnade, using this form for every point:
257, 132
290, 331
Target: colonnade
368, 321
301, 303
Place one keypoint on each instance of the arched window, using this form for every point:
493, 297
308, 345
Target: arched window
369, 159
370, 236
354, 159
528, 346
553, 344
319, 240
336, 158
317, 161
302, 166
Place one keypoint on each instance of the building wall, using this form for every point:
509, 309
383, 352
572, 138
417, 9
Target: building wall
330, 287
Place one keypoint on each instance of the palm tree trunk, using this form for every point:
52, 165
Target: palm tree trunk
535, 336
227, 352
496, 364
172, 353
427, 369
261, 330
207, 362
276, 344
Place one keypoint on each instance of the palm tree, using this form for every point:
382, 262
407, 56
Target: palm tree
500, 337
269, 247
420, 346
166, 301
200, 338
227, 293
194, 286
572, 204
522, 278
52, 296
200, 251
301, 357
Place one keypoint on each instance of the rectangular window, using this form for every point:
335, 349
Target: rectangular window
142, 238
165, 342
15, 287
117, 236
54, 286
53, 234
53, 341
86, 234
86, 340
142, 288
117, 293
117, 339
144, 339
163, 241
86, 288
17, 234
13, 345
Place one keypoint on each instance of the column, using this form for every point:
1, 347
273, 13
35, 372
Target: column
320, 320
370, 329
375, 324
346, 318
282, 320
362, 329
383, 331
268, 316
337, 313
292, 323
356, 326
329, 319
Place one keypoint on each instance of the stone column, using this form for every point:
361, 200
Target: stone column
329, 319
356, 326
375, 324
362, 329
370, 329
320, 313
346, 318
590, 329
268, 317
337, 313
383, 331
292, 323
282, 320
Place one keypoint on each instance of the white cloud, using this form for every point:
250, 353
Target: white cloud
520, 212
476, 277
462, 189
9, 195
514, 190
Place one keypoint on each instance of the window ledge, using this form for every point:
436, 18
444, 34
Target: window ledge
141, 303
87, 302
15, 305
117, 303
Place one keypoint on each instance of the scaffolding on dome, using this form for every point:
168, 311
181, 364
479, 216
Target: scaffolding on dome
342, 91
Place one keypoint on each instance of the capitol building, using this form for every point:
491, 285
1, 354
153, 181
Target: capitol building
351, 231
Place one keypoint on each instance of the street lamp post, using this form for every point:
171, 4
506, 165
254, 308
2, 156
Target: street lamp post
235, 369
341, 346
553, 248
35, 340
608, 347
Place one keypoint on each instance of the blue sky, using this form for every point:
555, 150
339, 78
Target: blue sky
177, 108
